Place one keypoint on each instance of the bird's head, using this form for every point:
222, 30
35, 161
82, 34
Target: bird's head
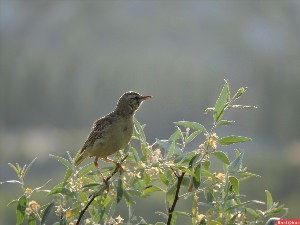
130, 102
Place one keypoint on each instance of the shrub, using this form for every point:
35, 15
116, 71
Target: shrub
167, 166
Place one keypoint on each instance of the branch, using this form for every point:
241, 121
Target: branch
93, 196
171, 210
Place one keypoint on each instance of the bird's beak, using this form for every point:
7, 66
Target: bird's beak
146, 97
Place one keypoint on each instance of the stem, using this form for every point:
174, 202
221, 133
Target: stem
93, 196
171, 210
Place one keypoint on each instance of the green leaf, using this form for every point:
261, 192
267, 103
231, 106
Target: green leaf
222, 157
62, 161
28, 167
135, 155
163, 178
192, 136
151, 189
21, 209
197, 176
61, 190
221, 102
269, 199
31, 219
175, 136
179, 213
224, 123
235, 165
184, 157
16, 169
68, 174
119, 190
229, 140
239, 93
191, 125
235, 184
85, 169
47, 212
171, 150
206, 164
171, 193
139, 130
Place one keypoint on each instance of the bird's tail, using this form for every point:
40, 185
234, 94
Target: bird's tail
79, 158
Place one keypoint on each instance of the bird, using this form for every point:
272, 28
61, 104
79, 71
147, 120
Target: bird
112, 132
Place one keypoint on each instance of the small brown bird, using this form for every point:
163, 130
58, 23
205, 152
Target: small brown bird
113, 131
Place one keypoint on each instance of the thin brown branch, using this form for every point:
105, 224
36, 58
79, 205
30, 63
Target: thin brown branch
171, 210
93, 196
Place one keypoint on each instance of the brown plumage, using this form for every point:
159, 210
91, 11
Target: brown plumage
113, 131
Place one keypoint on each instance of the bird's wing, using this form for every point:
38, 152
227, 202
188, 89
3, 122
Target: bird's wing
98, 129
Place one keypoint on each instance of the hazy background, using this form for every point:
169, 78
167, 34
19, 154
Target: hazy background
65, 63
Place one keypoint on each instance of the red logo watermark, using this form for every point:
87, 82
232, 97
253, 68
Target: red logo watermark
288, 222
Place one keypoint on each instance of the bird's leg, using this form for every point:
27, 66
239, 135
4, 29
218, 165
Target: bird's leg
101, 175
118, 165
96, 163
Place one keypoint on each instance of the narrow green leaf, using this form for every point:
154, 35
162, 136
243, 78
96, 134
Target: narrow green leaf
62, 161
171, 192
139, 129
128, 199
21, 209
179, 213
229, 140
151, 189
173, 220
269, 199
224, 123
185, 157
251, 212
238, 206
68, 174
171, 150
47, 212
197, 176
239, 93
61, 190
222, 157
193, 135
163, 179
135, 155
85, 169
235, 184
235, 165
16, 169
119, 190
221, 102
176, 135
206, 164
31, 219
28, 167
191, 125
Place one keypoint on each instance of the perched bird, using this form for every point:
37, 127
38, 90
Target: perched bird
113, 131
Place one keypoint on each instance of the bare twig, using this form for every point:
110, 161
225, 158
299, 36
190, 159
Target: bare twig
171, 210
93, 196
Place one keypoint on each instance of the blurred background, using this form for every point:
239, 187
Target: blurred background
65, 63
